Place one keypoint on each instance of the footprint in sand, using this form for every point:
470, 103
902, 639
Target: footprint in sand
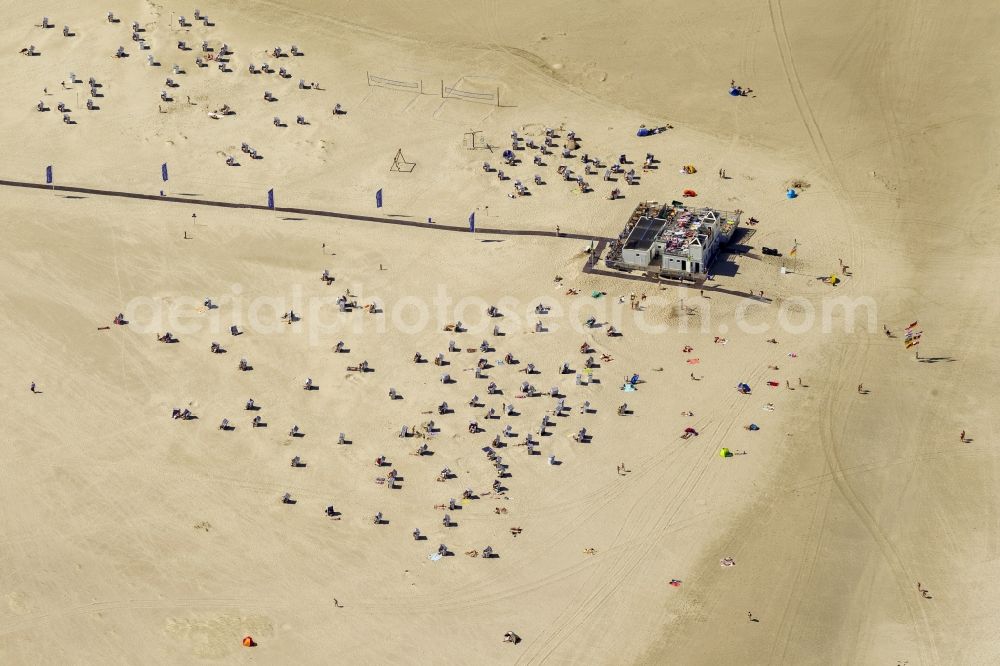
597, 75
17, 602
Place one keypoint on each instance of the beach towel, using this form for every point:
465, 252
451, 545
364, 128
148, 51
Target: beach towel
434, 557
694, 361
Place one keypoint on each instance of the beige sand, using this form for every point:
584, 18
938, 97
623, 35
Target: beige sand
131, 537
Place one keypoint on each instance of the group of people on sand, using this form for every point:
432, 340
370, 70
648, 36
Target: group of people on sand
497, 488
570, 144
738, 91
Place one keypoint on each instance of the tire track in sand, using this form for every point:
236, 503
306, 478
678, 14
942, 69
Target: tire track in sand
840, 387
812, 127
572, 618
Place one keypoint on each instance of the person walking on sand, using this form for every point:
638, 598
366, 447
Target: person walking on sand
558, 233
861, 388
34, 391
961, 436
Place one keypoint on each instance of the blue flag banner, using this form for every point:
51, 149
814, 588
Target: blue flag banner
163, 171
378, 198
270, 199
472, 222
48, 175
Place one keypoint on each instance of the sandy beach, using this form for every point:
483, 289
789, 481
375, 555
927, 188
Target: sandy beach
841, 509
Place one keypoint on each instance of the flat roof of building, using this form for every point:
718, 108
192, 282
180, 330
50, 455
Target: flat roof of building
644, 233
675, 228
